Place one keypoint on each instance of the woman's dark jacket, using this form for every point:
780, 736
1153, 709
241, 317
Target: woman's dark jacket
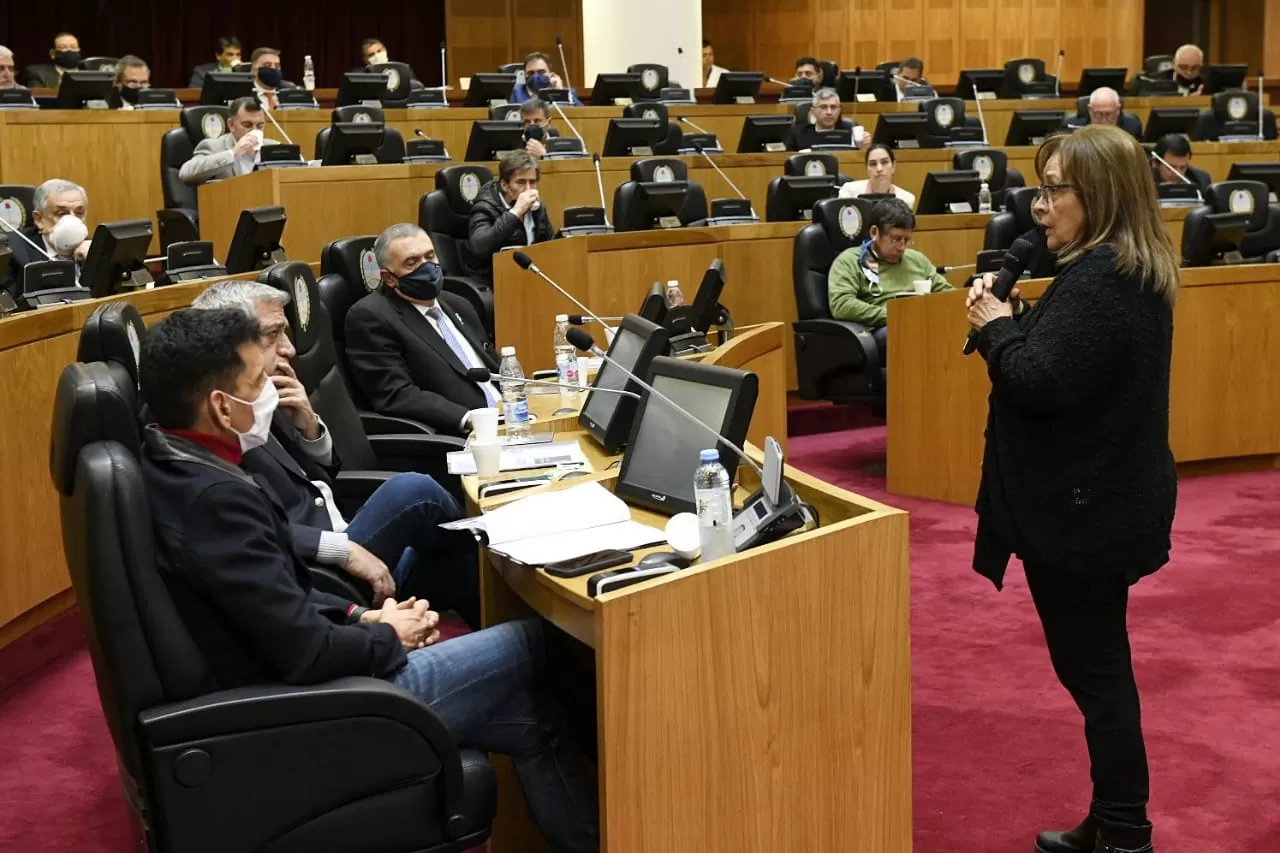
493, 227
1077, 473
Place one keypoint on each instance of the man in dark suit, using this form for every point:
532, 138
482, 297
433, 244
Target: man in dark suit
226, 56
410, 346
1175, 149
824, 115
398, 526
1106, 107
65, 54
223, 550
507, 212
54, 200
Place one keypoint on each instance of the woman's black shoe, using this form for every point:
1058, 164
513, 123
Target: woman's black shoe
1080, 839
1124, 839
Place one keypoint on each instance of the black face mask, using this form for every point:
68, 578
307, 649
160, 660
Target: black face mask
66, 58
533, 131
130, 94
423, 283
270, 77
1186, 82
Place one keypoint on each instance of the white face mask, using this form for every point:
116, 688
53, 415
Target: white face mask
263, 409
378, 58
67, 233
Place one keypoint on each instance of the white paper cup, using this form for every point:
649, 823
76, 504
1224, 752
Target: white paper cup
858, 132
464, 82
484, 425
922, 285
488, 456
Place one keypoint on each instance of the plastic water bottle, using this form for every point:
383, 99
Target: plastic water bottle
308, 73
566, 357
515, 405
984, 198
715, 507
675, 296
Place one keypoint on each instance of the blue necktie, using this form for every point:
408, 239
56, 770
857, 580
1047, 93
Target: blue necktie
446, 332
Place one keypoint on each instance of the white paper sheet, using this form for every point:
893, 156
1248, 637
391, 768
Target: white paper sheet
580, 508
522, 457
541, 550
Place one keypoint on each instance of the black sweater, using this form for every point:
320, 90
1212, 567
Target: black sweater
1077, 472
493, 227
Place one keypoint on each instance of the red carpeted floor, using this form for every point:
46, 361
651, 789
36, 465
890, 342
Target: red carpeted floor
998, 748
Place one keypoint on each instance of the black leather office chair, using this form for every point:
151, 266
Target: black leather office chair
100, 63
511, 68
1020, 73
348, 270
653, 79
1233, 113
1010, 224
668, 147
392, 148
830, 72
992, 166
1158, 64
650, 169
179, 220
1262, 237
815, 164
16, 204
836, 360
367, 442
191, 756
504, 112
445, 214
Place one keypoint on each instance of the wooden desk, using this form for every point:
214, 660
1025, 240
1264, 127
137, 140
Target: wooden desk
1224, 390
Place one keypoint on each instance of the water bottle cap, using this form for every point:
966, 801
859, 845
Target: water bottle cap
985, 185
709, 456
506, 351
562, 318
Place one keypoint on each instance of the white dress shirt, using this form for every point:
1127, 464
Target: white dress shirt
856, 188
713, 75
491, 395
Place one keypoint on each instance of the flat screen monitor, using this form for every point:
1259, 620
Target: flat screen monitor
611, 89
353, 142
738, 87
1179, 195
1267, 173
47, 283
158, 99
627, 137
764, 133
255, 244
1164, 120
654, 205
489, 89
1213, 239
986, 81
295, 99
17, 98
1220, 78
222, 87
608, 416
855, 86
794, 196
1098, 78
1031, 127
949, 192
85, 90
115, 262
359, 87
489, 140
796, 93
664, 446
900, 130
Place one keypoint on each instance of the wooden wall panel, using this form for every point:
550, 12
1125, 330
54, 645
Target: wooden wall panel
482, 36
732, 33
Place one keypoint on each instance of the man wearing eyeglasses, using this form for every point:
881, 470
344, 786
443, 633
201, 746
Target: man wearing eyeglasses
863, 279
1106, 107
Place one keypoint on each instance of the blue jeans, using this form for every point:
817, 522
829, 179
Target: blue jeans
488, 688
400, 525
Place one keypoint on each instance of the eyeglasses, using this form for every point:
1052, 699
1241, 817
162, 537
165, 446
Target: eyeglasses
1049, 191
896, 240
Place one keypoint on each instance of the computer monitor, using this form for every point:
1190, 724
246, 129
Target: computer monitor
362, 87
295, 99
1214, 238
353, 142
657, 204
628, 137
427, 99
280, 156
489, 140
1165, 120
1098, 78
900, 130
765, 133
47, 283
856, 86
1220, 78
688, 324
487, 90
222, 87
663, 448
1153, 87
796, 93
114, 263
608, 416
191, 260
85, 90
1031, 127
611, 89
255, 244
795, 196
987, 81
738, 87
949, 192
1178, 195
1267, 173
158, 99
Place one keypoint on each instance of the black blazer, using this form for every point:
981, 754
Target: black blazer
802, 136
405, 368
1077, 473
199, 73
43, 76
22, 254
492, 227
223, 550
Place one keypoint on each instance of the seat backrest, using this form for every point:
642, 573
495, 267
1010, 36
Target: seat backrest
653, 78
16, 203
113, 333
322, 142
1234, 105
647, 109
1027, 69
693, 211
659, 169
830, 72
991, 164
203, 123
803, 110
445, 211
100, 63
358, 113
838, 224
511, 68
1249, 197
811, 165
504, 112
348, 270
316, 362
943, 114
1158, 64
460, 185
176, 149
392, 148
1082, 107
141, 652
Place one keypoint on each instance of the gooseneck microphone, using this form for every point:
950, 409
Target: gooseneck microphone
444, 77
600, 186
277, 126
685, 120
1057, 76
943, 270
1015, 263
581, 320
8, 227
981, 118
556, 106
480, 374
564, 66
526, 263
1181, 176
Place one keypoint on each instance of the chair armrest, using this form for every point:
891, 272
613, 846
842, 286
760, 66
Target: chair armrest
353, 488
854, 337
376, 424
339, 583
422, 454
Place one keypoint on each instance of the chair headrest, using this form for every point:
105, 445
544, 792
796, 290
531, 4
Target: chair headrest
844, 220
398, 75
1019, 201
811, 165
653, 76
1082, 106
94, 402
203, 123
505, 112
461, 184
352, 258
1250, 197
1028, 69
943, 114
1235, 105
660, 169
16, 201
295, 279
359, 113
991, 164
113, 333
648, 109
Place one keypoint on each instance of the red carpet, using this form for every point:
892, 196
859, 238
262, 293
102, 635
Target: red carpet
999, 751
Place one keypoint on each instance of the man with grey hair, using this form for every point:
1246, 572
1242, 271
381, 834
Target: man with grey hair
233, 153
8, 78
1106, 107
824, 115
398, 526
1188, 63
57, 228
411, 347
506, 212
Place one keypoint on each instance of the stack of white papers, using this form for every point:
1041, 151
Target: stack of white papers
522, 457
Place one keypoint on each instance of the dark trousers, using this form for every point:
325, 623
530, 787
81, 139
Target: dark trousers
882, 343
1085, 626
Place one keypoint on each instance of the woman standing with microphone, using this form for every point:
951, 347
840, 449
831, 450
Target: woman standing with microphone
1077, 476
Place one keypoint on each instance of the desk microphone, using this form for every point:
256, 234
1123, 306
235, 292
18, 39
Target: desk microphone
480, 374
564, 68
687, 121
526, 263
1015, 263
600, 186
943, 270
981, 118
444, 78
277, 126
26, 239
779, 82
727, 179
1260, 122
1181, 176
580, 320
1057, 76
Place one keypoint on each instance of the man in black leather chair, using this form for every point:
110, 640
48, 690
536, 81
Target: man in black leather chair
1107, 107
1176, 151
507, 212
224, 552
399, 524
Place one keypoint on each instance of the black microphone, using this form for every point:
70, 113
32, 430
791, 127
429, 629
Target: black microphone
1015, 262
581, 320
480, 374
564, 66
600, 186
943, 270
526, 263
